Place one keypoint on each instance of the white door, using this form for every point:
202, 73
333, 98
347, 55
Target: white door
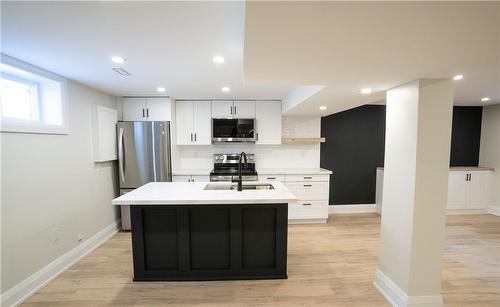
222, 109
158, 109
244, 109
457, 190
268, 122
478, 190
184, 115
202, 123
134, 109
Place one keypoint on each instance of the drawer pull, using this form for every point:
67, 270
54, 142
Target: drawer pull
271, 177
308, 177
307, 185
306, 204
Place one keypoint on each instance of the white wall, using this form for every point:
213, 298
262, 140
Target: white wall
51, 181
489, 154
267, 156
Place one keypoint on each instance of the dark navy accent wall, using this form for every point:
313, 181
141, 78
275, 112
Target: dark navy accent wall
355, 144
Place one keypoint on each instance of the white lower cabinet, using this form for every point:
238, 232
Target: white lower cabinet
467, 189
312, 191
191, 178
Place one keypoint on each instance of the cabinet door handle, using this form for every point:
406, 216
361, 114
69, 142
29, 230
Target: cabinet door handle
306, 204
307, 185
231, 108
470, 177
235, 110
147, 112
192, 180
143, 113
256, 136
271, 177
308, 177
195, 136
191, 137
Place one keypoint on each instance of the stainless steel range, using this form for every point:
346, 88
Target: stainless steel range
226, 168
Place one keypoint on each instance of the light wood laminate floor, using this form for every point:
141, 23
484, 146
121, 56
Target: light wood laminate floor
329, 265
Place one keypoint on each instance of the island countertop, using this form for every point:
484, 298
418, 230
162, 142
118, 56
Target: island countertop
188, 193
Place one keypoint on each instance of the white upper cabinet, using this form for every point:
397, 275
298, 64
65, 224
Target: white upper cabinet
184, 122
222, 109
158, 109
193, 123
268, 122
244, 109
202, 123
233, 109
134, 109
147, 109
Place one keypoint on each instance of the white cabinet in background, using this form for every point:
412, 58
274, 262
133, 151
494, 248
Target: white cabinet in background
244, 109
191, 178
222, 108
268, 122
467, 189
233, 109
134, 108
146, 109
193, 123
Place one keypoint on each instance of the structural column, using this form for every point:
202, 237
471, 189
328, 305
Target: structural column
417, 154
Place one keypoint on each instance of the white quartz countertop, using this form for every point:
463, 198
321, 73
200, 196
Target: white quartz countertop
293, 171
188, 193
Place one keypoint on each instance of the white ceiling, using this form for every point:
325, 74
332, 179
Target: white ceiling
169, 44
269, 47
347, 46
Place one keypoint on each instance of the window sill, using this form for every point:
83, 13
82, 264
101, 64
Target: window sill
33, 128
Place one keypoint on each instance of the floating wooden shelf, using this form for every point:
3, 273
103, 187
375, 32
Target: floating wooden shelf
302, 140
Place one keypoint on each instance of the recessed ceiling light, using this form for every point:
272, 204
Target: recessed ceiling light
218, 59
161, 89
118, 59
366, 90
322, 107
458, 77
225, 89
485, 99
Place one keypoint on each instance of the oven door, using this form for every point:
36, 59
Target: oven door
233, 130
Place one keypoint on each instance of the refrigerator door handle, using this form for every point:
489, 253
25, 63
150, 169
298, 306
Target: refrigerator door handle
120, 154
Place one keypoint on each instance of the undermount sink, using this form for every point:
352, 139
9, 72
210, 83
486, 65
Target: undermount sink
234, 186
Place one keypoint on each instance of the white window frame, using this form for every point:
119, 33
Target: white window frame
29, 83
31, 126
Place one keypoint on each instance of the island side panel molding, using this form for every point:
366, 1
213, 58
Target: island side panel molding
213, 242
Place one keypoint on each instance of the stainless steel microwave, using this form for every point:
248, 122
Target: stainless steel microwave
233, 130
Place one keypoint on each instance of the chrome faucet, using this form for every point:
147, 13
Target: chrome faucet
240, 179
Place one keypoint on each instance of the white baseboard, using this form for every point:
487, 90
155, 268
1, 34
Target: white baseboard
495, 210
346, 209
307, 221
30, 285
398, 297
466, 211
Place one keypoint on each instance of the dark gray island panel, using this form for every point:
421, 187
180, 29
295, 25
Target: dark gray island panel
209, 242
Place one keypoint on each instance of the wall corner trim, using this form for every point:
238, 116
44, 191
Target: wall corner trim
347, 209
36, 281
397, 297
495, 210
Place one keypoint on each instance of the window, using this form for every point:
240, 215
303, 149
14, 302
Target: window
32, 99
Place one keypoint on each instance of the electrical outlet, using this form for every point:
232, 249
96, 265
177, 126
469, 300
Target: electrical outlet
56, 234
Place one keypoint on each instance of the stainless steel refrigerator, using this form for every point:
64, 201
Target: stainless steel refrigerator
143, 156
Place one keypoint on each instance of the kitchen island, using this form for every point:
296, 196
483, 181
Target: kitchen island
208, 231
